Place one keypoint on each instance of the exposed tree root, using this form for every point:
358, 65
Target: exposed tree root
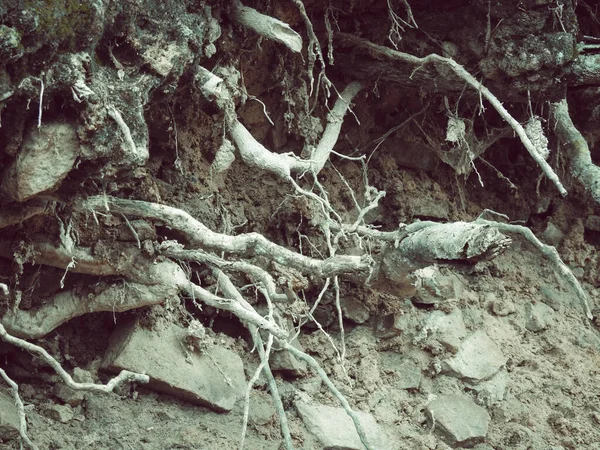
443, 64
198, 235
582, 167
548, 251
124, 376
282, 165
266, 26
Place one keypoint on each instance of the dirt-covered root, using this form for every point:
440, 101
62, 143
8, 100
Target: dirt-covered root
581, 165
257, 155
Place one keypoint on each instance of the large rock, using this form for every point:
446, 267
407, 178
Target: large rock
44, 160
492, 391
478, 358
9, 417
354, 310
459, 421
334, 429
448, 329
407, 373
539, 316
215, 379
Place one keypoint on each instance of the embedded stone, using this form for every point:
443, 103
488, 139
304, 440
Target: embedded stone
45, 158
478, 358
334, 429
214, 378
458, 420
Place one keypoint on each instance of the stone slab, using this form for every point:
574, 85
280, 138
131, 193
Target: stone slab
9, 417
334, 429
458, 420
215, 379
478, 358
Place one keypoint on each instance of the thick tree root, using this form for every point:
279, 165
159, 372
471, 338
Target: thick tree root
198, 235
266, 26
582, 167
255, 154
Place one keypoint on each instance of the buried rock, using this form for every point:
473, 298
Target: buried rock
214, 378
458, 420
9, 417
44, 160
334, 429
478, 358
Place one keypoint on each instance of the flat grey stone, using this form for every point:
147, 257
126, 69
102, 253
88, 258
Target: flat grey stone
45, 158
448, 329
478, 358
538, 316
409, 375
552, 235
407, 372
335, 430
60, 413
354, 310
553, 298
287, 364
592, 223
458, 420
215, 379
9, 417
261, 410
492, 391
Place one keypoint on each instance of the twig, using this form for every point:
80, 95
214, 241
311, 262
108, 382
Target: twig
259, 369
135, 234
137, 156
40, 105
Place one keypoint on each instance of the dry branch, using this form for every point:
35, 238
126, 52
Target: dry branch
447, 67
582, 167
